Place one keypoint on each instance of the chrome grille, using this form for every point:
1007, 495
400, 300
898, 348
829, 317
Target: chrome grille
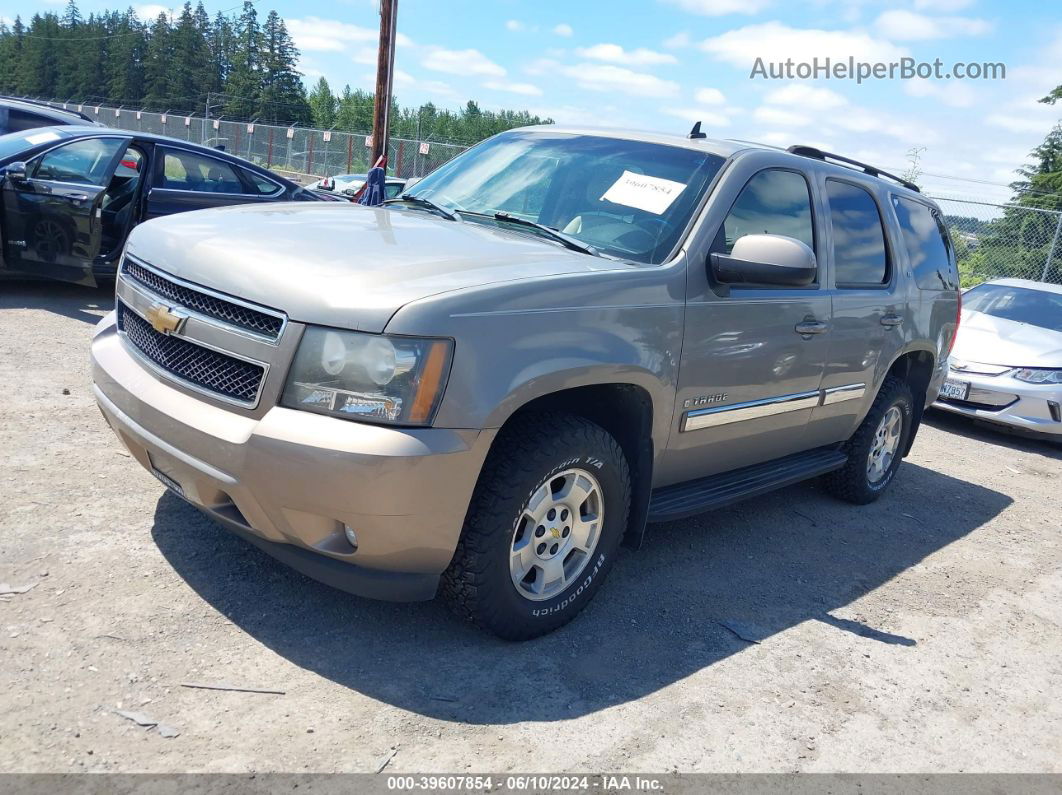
207, 369
234, 314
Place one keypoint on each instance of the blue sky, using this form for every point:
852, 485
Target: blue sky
660, 64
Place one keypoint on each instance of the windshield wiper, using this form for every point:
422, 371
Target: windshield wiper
565, 240
420, 201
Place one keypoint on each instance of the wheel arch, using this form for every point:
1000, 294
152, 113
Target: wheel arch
626, 411
915, 367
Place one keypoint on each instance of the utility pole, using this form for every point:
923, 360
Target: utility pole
385, 62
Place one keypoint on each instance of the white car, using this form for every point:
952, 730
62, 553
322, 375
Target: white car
1006, 366
350, 183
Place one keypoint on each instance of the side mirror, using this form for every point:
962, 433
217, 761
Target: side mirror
773, 260
16, 172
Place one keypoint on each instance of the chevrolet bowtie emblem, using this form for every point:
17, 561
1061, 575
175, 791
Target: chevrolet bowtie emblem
165, 320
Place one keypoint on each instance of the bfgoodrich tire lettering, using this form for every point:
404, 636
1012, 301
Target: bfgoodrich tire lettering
852, 482
534, 450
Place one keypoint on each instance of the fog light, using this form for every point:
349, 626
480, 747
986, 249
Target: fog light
352, 537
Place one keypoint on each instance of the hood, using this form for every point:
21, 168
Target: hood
341, 264
993, 340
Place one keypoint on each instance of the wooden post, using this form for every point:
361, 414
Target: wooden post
385, 61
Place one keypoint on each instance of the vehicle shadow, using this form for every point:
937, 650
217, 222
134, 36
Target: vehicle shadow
683, 602
87, 304
999, 435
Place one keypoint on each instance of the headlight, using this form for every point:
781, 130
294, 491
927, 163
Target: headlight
1038, 375
371, 377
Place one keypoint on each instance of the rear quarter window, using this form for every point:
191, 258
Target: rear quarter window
928, 248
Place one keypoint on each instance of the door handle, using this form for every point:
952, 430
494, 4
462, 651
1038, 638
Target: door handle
77, 198
810, 326
891, 321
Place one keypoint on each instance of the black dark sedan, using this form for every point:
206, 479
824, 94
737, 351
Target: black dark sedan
70, 195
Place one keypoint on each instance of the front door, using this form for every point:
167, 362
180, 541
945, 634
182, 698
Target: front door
52, 219
752, 358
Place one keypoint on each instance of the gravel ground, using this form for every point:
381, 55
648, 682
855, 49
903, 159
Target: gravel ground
921, 633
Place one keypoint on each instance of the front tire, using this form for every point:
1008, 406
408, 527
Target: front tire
543, 528
876, 448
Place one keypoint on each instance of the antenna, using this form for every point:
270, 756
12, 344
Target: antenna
696, 131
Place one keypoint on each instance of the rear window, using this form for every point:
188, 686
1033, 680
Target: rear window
927, 245
859, 254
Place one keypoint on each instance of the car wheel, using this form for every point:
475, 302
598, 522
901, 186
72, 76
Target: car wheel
543, 527
875, 449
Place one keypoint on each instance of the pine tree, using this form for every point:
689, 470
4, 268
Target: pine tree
323, 105
158, 65
124, 69
283, 97
191, 63
243, 86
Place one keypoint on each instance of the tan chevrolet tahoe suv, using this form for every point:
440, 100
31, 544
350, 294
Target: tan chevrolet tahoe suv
485, 387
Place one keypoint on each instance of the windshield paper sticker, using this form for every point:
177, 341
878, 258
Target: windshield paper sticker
41, 138
652, 194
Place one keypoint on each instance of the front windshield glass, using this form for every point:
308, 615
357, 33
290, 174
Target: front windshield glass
13, 143
628, 199
1035, 307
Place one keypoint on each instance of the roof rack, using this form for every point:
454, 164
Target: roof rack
818, 154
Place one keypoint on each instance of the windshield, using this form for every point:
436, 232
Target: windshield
1035, 307
629, 199
16, 142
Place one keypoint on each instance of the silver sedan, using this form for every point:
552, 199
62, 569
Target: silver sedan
1006, 366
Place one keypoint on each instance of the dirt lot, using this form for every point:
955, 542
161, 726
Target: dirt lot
921, 633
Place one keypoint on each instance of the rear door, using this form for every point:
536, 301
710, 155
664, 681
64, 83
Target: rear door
870, 305
52, 219
184, 180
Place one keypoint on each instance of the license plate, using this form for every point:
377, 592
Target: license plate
955, 390
165, 479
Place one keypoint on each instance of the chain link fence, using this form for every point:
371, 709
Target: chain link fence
1004, 240
301, 152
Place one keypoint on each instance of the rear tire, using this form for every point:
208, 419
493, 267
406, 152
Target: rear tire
543, 528
876, 448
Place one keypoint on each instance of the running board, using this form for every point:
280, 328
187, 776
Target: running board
706, 494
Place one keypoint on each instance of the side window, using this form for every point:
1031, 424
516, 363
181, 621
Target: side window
84, 162
927, 245
859, 254
19, 120
259, 184
189, 171
773, 202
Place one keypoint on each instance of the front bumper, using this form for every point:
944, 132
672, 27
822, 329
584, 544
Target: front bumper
290, 480
1007, 401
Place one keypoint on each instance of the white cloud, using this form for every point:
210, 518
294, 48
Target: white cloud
709, 96
904, 25
514, 25
952, 93
366, 56
542, 66
1020, 124
527, 89
678, 41
605, 77
785, 118
717, 8
775, 42
461, 62
708, 118
614, 53
805, 96
941, 6
328, 35
564, 30
150, 12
